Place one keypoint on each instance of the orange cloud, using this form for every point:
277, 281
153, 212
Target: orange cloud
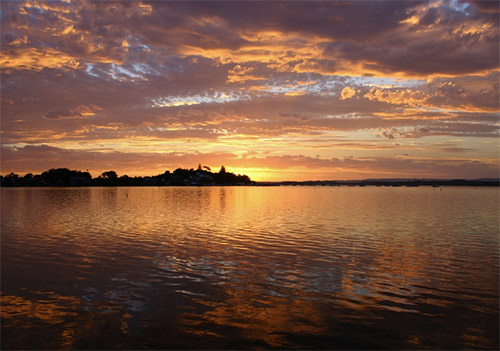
347, 93
37, 59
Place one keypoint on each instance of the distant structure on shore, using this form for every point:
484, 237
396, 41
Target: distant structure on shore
180, 177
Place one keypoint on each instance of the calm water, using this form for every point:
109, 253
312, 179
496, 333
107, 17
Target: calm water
250, 267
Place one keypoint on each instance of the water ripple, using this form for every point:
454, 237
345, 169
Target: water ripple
251, 267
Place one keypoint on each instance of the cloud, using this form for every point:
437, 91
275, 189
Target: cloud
216, 113
347, 93
340, 33
43, 157
82, 111
239, 76
467, 93
484, 6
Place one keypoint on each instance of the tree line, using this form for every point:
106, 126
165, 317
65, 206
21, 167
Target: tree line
179, 177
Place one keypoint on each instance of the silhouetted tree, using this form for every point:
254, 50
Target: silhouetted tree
222, 169
11, 179
109, 175
65, 177
27, 179
57, 177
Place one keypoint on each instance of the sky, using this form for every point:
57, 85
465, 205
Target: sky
277, 90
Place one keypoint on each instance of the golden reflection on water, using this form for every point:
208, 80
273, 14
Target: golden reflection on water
52, 310
263, 318
64, 313
250, 266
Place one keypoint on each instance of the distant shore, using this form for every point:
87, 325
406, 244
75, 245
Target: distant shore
203, 176
181, 177
389, 182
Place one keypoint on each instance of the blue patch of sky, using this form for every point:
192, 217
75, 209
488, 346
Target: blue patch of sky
217, 97
124, 71
388, 82
324, 86
34, 9
460, 6
119, 72
89, 70
144, 68
140, 48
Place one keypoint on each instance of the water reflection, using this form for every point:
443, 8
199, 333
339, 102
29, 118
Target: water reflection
232, 268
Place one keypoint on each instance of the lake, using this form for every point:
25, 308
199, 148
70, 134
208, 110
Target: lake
250, 268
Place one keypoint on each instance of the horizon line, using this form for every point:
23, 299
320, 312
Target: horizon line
391, 179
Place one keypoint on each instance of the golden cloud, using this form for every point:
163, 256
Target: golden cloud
347, 93
37, 59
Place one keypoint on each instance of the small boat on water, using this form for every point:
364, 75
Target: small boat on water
435, 185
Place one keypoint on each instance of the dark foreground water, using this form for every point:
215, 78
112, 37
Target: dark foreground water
250, 267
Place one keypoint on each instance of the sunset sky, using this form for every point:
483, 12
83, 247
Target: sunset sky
275, 90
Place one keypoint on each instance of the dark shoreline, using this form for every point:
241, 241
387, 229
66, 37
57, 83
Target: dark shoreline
203, 176
389, 182
337, 183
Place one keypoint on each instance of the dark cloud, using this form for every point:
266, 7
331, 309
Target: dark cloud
335, 19
82, 111
430, 17
488, 6
423, 56
60, 114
